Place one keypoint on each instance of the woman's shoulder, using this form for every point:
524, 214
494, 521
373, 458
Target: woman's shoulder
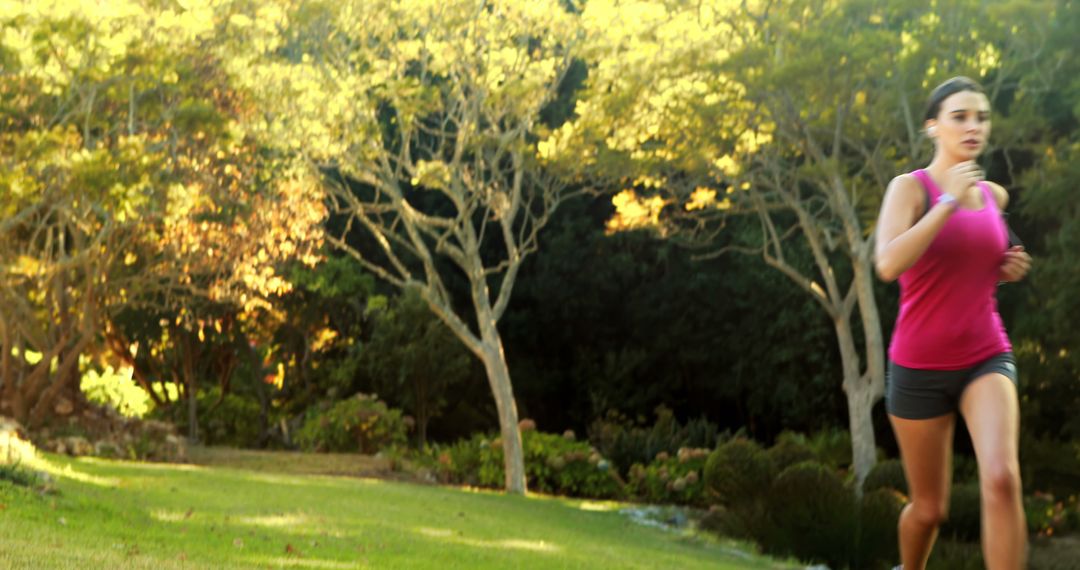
1001, 195
907, 185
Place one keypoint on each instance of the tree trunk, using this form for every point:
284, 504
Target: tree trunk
499, 377
190, 388
863, 389
421, 408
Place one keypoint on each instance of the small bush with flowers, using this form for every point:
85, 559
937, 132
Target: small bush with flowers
557, 464
671, 479
1048, 517
362, 423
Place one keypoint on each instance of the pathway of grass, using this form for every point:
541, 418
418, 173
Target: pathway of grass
130, 515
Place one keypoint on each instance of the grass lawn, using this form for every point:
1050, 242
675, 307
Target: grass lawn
113, 514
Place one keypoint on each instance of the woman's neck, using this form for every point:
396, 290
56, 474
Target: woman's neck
942, 162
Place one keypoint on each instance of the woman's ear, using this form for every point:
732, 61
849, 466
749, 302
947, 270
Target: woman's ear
931, 128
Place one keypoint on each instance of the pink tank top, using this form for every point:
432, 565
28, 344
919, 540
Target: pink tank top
948, 316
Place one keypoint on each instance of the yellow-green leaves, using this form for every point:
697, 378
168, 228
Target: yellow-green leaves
432, 174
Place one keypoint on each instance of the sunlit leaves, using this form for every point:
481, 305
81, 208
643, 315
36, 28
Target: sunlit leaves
633, 212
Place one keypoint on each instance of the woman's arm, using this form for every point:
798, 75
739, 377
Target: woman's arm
902, 237
1017, 262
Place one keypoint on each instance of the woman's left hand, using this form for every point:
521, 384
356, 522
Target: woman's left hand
1016, 265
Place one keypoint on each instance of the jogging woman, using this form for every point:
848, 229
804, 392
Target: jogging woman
941, 233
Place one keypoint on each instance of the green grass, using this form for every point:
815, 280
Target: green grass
110, 514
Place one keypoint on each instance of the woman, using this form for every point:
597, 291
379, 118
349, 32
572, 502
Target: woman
941, 233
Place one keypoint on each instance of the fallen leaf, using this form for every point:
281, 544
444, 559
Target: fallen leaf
189, 512
237, 542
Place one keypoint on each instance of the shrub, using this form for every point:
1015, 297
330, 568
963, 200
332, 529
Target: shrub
627, 442
965, 469
553, 464
1049, 517
814, 515
879, 513
789, 450
738, 471
964, 523
18, 475
668, 479
361, 423
234, 420
888, 474
1050, 466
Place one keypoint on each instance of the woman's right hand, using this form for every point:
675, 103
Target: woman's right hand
960, 177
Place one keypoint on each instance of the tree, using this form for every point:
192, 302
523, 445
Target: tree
414, 359
767, 109
423, 115
123, 188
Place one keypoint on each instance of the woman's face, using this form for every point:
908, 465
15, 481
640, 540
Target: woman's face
962, 126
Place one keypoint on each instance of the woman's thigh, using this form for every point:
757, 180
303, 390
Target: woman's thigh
926, 451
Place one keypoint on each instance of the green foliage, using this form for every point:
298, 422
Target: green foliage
233, 420
814, 515
1050, 466
116, 389
964, 522
553, 464
879, 512
415, 360
628, 442
965, 468
16, 474
887, 475
1047, 516
669, 479
738, 472
832, 447
788, 450
360, 424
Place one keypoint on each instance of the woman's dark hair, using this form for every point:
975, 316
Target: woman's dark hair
950, 87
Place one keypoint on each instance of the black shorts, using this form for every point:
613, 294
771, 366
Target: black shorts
918, 394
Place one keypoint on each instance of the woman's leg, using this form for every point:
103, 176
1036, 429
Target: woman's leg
926, 450
992, 413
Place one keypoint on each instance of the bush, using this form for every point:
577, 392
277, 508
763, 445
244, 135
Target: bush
361, 423
18, 475
626, 442
965, 469
888, 474
235, 421
1050, 466
738, 471
1049, 517
964, 523
553, 464
814, 515
669, 479
879, 513
790, 449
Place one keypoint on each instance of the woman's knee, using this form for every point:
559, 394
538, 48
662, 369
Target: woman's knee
1000, 481
929, 513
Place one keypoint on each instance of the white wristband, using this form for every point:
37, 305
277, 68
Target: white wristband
947, 199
